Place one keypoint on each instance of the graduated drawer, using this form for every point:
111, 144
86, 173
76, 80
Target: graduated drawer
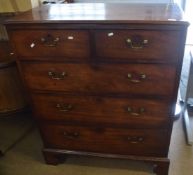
137, 44
51, 43
101, 110
141, 142
102, 78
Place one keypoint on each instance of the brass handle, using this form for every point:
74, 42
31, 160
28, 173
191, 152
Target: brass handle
70, 135
136, 78
50, 41
136, 42
137, 112
57, 76
64, 107
137, 139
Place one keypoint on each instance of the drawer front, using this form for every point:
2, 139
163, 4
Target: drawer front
128, 78
137, 44
51, 43
119, 111
144, 142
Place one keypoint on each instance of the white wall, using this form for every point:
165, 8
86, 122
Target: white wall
181, 3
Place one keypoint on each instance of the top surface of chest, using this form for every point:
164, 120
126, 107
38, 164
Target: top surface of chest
103, 13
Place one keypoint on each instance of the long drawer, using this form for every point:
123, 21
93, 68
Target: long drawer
144, 142
137, 44
149, 79
136, 113
68, 44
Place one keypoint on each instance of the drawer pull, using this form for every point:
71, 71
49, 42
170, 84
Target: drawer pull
136, 78
136, 42
135, 139
70, 135
57, 76
64, 107
50, 41
136, 113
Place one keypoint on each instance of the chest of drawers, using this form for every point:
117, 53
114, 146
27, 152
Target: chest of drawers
102, 78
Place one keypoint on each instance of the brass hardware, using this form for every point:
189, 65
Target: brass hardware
143, 76
64, 107
135, 139
136, 42
57, 76
136, 113
50, 41
129, 75
136, 78
70, 135
129, 109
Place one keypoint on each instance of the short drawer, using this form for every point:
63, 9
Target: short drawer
136, 113
50, 44
145, 142
137, 45
102, 78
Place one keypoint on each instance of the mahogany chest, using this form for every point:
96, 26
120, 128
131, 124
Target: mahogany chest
102, 78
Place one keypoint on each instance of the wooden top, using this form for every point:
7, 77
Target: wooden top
102, 12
